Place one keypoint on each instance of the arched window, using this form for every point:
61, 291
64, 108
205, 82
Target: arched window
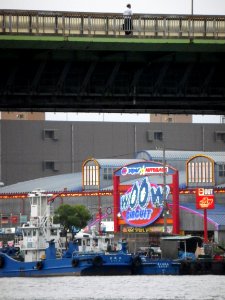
90, 174
200, 171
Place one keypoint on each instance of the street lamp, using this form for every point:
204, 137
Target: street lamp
192, 7
165, 209
99, 214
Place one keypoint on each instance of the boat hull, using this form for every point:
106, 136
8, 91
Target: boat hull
80, 265
107, 264
202, 267
148, 266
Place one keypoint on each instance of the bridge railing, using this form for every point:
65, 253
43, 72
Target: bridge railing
99, 24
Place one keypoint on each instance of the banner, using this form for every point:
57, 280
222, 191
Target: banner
14, 219
4, 220
23, 219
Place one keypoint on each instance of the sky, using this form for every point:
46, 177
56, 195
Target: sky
210, 7
111, 117
202, 7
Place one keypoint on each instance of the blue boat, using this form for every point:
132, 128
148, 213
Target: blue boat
42, 251
144, 265
118, 263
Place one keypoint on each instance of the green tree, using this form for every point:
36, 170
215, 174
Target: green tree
70, 216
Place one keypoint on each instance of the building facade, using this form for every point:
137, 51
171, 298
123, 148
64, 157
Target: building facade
94, 187
170, 118
195, 171
36, 149
18, 115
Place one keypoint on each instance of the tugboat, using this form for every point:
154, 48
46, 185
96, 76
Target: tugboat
180, 255
42, 253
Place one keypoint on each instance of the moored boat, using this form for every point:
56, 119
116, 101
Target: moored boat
147, 266
78, 264
42, 253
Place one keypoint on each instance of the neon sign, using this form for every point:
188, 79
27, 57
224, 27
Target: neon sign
143, 203
143, 170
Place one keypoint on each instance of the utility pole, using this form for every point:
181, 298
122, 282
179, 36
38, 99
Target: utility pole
164, 189
192, 21
100, 215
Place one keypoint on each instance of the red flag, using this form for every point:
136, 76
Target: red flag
14, 219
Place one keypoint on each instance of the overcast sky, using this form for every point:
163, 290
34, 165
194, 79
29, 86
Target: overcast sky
138, 6
206, 7
110, 117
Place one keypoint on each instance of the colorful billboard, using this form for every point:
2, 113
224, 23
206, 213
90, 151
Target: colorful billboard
205, 198
143, 203
144, 169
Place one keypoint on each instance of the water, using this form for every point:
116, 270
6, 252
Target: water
207, 287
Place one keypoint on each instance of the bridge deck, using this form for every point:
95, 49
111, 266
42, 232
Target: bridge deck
80, 62
96, 24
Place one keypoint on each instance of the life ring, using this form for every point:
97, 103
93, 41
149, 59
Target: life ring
1, 261
109, 210
185, 267
137, 261
75, 262
97, 261
150, 252
39, 265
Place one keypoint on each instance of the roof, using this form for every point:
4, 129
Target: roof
156, 179
117, 162
215, 216
178, 155
180, 237
73, 182
69, 182
189, 241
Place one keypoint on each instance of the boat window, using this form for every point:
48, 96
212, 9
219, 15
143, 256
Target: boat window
95, 241
88, 242
27, 232
34, 232
53, 232
79, 242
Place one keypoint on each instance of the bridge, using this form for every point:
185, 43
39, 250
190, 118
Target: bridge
84, 62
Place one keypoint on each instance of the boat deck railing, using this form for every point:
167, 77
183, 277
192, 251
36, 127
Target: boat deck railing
111, 25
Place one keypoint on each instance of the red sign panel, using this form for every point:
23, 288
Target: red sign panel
205, 198
14, 219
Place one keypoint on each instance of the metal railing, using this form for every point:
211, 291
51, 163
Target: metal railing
102, 24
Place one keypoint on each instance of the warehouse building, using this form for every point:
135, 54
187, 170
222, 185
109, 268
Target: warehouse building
93, 187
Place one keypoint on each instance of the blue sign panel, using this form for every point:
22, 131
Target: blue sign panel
143, 203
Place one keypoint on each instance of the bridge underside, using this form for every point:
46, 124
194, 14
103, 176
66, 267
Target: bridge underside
126, 76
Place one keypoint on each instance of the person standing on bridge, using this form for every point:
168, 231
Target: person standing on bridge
127, 26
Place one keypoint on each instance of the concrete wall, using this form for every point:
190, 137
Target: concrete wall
24, 149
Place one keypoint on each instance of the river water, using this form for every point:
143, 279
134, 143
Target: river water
205, 287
